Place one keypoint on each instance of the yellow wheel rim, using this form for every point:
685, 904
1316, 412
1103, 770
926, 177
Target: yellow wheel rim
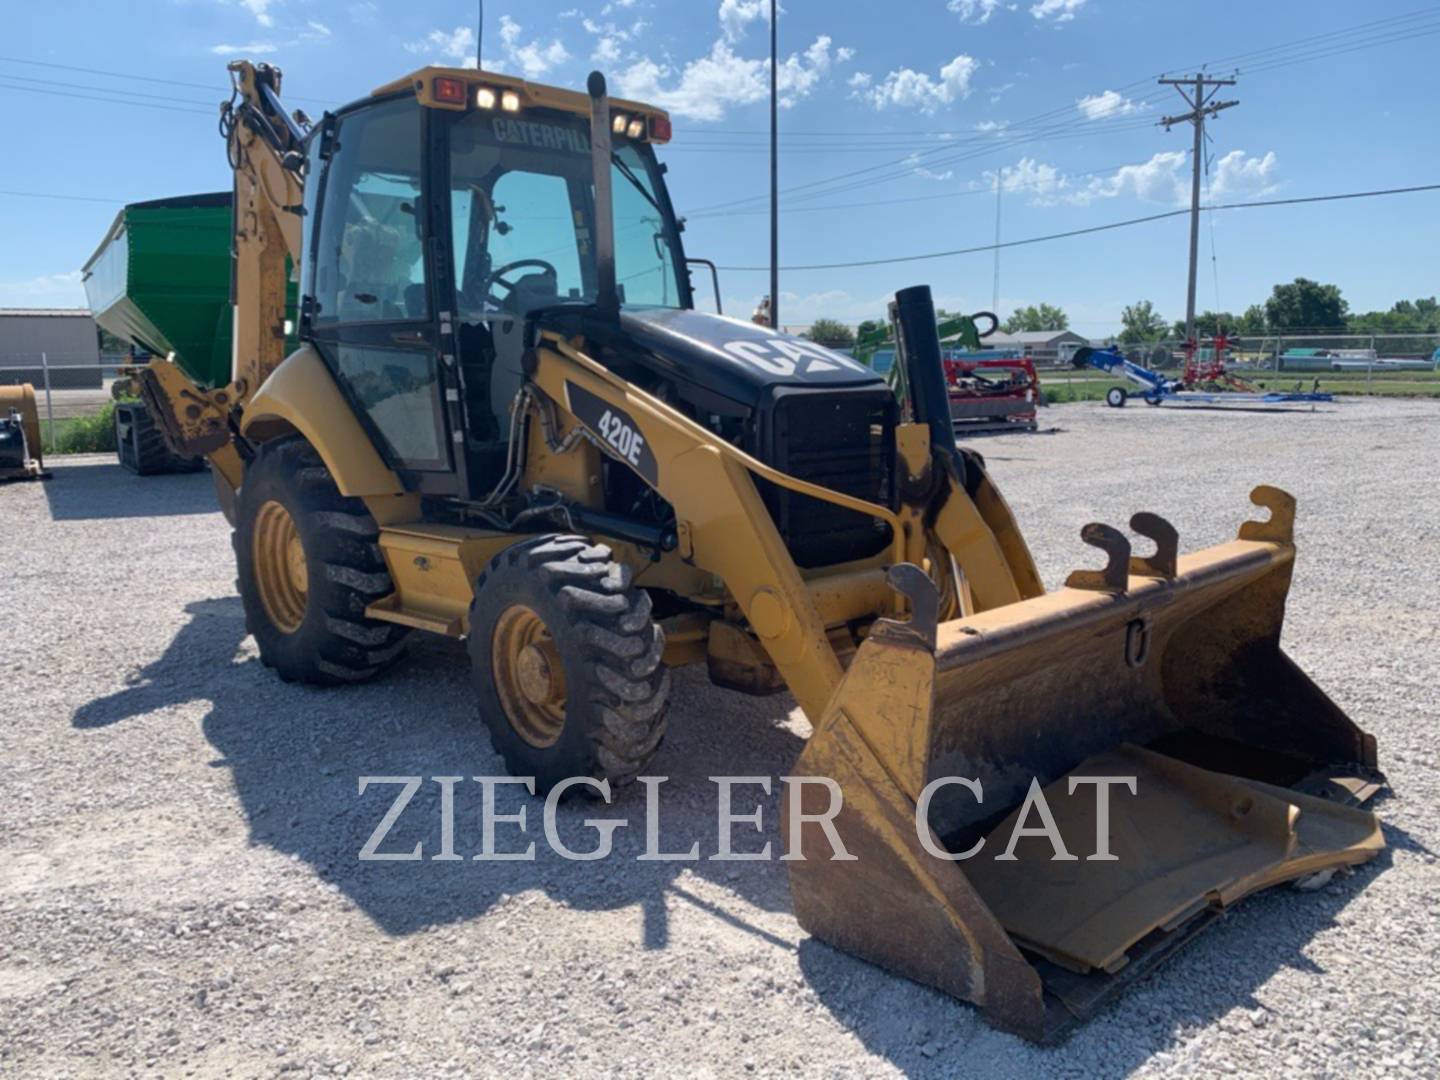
281, 574
529, 676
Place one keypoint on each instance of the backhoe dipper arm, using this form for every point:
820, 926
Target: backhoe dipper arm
265, 149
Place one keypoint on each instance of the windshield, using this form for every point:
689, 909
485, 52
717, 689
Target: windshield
522, 208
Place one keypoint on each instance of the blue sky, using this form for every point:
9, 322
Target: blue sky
935, 98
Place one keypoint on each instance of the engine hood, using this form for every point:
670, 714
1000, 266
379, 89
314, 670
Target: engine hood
736, 359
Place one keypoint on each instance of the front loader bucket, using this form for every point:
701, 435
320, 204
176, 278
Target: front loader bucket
1228, 769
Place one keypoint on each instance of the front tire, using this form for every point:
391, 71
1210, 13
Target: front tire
1115, 397
566, 663
307, 566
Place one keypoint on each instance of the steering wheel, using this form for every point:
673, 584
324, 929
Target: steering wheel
497, 278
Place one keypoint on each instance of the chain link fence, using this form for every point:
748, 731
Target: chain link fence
1306, 353
66, 386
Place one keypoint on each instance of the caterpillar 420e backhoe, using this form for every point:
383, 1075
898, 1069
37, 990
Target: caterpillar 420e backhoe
507, 422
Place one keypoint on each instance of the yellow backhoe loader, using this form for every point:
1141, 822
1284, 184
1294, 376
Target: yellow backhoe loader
506, 422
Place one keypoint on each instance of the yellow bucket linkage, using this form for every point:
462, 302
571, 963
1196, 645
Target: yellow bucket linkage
1164, 671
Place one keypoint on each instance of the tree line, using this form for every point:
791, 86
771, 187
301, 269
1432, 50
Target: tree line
1301, 306
836, 335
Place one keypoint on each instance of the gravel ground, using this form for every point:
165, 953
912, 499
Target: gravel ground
180, 894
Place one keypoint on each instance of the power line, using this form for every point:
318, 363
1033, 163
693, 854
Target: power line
1056, 182
106, 90
1348, 33
51, 195
1423, 29
108, 100
833, 185
1091, 229
130, 75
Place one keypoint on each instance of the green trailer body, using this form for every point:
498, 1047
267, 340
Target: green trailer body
161, 281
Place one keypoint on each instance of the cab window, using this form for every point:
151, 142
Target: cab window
369, 260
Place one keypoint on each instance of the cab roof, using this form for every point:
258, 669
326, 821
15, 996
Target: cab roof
532, 95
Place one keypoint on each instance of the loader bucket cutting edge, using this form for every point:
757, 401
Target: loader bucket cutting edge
1165, 669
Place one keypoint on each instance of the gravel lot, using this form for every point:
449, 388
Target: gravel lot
180, 894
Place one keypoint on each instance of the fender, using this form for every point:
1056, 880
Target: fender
301, 396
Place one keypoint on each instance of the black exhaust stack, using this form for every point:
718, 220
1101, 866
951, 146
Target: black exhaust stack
918, 354
607, 296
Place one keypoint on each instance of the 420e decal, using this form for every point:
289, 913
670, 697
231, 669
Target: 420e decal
617, 429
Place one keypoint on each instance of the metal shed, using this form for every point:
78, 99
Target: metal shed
66, 339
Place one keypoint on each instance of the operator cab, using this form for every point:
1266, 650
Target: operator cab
435, 238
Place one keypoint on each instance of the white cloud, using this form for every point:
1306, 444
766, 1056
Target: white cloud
607, 51
45, 290
1059, 10
1238, 176
1041, 182
534, 58
929, 174
610, 38
911, 89
456, 46
1157, 180
973, 11
1165, 178
737, 15
261, 10
992, 126
254, 48
705, 88
1108, 104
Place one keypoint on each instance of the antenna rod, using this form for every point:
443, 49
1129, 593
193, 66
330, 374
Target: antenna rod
774, 184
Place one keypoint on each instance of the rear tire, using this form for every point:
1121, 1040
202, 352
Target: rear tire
566, 663
1115, 397
308, 565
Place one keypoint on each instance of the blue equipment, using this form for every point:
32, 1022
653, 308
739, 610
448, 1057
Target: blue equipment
1156, 389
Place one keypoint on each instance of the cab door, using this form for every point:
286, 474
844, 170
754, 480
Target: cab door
370, 307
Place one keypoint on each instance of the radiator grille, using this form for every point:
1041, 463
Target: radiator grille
843, 440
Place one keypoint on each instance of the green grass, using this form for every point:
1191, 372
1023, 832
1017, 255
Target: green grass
94, 434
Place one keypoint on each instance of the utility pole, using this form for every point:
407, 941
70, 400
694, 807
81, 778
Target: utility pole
995, 300
1199, 93
774, 179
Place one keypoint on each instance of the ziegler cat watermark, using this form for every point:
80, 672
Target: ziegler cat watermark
521, 847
